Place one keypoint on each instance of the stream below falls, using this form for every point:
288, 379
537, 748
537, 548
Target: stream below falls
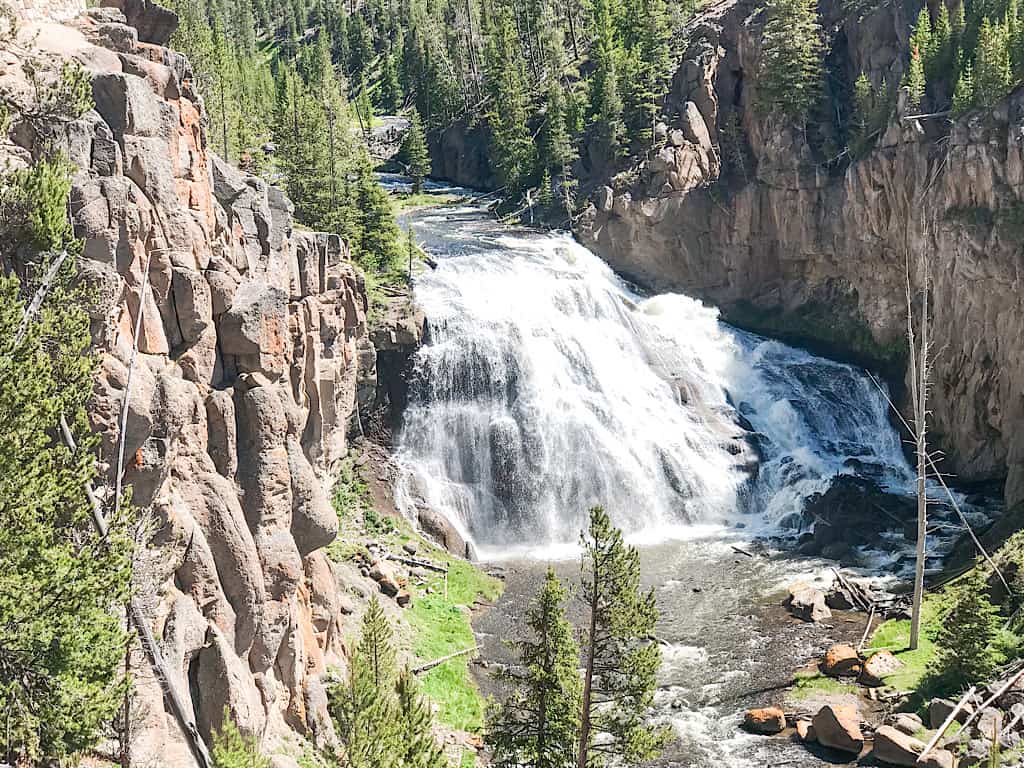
547, 384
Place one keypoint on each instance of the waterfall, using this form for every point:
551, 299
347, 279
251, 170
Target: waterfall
547, 384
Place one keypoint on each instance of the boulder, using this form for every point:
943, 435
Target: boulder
838, 727
939, 758
403, 598
841, 660
807, 603
908, 723
766, 721
895, 747
386, 579
410, 548
805, 731
940, 709
877, 667
154, 23
989, 723
978, 752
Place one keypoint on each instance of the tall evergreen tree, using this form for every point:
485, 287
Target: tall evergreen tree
416, 743
555, 148
914, 78
940, 56
791, 68
655, 65
390, 95
992, 74
968, 633
605, 101
963, 92
538, 724
363, 708
620, 659
512, 146
415, 152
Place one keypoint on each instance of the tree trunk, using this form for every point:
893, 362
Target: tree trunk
919, 374
588, 679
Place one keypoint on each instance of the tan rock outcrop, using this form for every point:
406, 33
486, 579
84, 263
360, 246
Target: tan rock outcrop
792, 245
251, 344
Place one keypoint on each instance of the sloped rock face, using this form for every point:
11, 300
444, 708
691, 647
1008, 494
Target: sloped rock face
248, 354
789, 246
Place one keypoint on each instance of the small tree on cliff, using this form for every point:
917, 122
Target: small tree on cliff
620, 661
415, 152
233, 750
966, 654
992, 71
791, 67
538, 725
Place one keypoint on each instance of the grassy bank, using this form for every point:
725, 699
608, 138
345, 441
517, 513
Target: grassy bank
438, 621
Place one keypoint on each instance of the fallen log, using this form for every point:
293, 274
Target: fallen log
438, 662
741, 551
417, 562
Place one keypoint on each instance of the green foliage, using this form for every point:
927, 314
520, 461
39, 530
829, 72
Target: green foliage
968, 635
810, 685
914, 79
791, 67
556, 150
34, 207
621, 662
538, 724
62, 96
61, 642
415, 152
605, 101
416, 743
963, 92
233, 750
992, 74
512, 146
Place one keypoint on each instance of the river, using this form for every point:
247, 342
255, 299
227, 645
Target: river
547, 384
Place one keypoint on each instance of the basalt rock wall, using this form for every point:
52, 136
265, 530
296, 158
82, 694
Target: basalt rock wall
251, 347
736, 207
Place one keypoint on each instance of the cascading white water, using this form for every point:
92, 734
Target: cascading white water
548, 385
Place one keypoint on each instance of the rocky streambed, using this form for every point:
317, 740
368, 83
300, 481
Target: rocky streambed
728, 643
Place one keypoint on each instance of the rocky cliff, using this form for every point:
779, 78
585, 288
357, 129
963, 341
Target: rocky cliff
794, 243
250, 356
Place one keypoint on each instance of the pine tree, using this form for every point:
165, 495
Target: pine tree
940, 59
61, 642
511, 146
963, 93
654, 66
390, 94
538, 724
966, 654
914, 78
1014, 38
791, 68
360, 48
605, 102
620, 659
415, 152
233, 750
555, 148
992, 75
363, 708
417, 746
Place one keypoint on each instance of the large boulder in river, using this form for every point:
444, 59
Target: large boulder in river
839, 727
807, 603
767, 721
853, 512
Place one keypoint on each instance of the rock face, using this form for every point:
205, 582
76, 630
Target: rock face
241, 393
786, 244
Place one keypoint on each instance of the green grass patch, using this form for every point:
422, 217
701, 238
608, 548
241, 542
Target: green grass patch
894, 635
441, 626
811, 684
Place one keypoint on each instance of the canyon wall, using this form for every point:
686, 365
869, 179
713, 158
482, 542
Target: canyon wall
737, 208
252, 353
